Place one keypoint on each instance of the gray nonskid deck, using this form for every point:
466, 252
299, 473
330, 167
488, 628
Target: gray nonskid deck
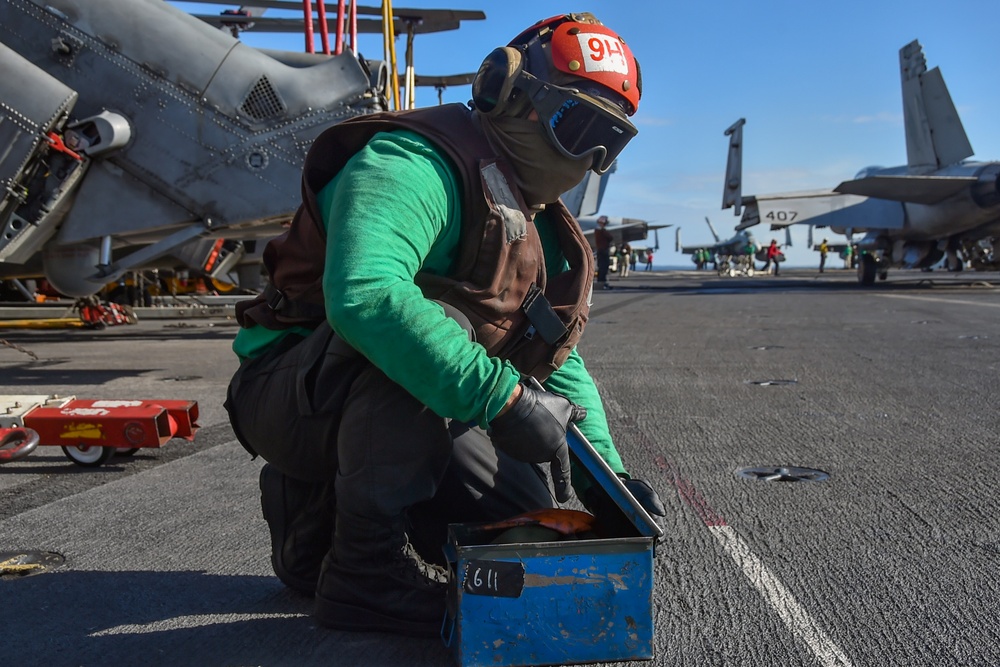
892, 560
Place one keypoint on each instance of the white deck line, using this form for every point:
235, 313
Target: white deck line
794, 615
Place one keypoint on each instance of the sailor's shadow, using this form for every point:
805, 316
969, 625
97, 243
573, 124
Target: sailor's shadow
173, 618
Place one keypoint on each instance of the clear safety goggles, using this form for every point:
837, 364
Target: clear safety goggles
579, 124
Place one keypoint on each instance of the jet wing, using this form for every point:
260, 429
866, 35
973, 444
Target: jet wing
629, 230
914, 189
690, 250
716, 249
821, 208
787, 208
733, 246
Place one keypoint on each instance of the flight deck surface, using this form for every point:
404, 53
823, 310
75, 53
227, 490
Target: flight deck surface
712, 387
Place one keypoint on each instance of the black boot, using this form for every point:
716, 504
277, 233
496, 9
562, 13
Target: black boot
301, 518
374, 580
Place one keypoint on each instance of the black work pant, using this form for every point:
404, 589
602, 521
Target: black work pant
318, 411
603, 265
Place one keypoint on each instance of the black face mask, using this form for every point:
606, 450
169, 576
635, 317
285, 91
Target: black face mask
543, 172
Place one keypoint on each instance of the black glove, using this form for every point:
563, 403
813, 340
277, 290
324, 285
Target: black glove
647, 497
601, 505
533, 430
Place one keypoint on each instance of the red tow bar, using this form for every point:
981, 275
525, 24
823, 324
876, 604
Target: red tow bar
16, 443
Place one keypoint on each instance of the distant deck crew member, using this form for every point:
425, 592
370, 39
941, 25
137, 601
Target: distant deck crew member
773, 256
602, 243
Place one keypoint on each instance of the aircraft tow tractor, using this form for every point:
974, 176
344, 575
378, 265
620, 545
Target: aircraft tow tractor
91, 431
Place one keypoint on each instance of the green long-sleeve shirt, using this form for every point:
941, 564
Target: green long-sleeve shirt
393, 210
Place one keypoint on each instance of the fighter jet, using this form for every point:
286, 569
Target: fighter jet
937, 205
584, 201
133, 133
733, 256
623, 230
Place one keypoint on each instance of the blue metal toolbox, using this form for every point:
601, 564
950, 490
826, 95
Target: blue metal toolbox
556, 602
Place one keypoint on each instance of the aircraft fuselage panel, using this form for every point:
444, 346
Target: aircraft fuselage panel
208, 114
957, 217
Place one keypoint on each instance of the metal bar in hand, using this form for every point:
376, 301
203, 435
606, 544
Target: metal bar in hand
603, 475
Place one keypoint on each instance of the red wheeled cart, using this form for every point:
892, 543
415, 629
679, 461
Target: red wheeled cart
91, 431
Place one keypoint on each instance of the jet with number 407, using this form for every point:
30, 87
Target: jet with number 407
938, 205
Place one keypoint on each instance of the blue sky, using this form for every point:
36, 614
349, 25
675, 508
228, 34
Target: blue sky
818, 83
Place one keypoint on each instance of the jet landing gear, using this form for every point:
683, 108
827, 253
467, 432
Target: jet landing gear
735, 266
870, 266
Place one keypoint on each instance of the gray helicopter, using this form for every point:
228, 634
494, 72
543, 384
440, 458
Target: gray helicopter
133, 133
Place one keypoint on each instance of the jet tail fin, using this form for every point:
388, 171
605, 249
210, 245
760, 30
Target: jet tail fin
717, 239
732, 192
592, 202
573, 198
934, 133
585, 198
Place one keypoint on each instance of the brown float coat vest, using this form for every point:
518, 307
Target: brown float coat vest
498, 279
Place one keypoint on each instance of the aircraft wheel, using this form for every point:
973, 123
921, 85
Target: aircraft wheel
126, 451
867, 268
88, 456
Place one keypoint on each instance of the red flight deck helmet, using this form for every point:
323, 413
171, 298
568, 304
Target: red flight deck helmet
580, 78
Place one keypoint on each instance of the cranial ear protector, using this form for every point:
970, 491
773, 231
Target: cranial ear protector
494, 83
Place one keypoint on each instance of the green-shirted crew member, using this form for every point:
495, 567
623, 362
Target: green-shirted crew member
430, 270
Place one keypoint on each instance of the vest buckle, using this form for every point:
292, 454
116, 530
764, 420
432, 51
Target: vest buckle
542, 317
273, 297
